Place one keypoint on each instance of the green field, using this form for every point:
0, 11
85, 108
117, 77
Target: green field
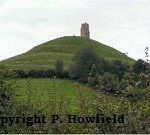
45, 55
54, 96
42, 91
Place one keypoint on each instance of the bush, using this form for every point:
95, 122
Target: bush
5, 102
137, 93
20, 73
140, 66
50, 73
93, 81
111, 83
108, 82
131, 78
118, 68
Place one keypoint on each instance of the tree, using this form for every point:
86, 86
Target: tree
140, 66
87, 63
118, 68
59, 67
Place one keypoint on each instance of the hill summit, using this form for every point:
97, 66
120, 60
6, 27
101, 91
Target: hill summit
45, 55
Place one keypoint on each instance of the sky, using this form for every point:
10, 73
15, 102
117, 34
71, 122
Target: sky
121, 24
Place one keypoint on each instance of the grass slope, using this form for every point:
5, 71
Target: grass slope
45, 55
65, 97
40, 92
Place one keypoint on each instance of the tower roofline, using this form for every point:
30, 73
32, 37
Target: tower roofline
85, 23
85, 30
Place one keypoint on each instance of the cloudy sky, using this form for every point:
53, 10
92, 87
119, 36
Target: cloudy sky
124, 25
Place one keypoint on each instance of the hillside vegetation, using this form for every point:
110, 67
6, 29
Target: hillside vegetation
45, 55
89, 87
54, 96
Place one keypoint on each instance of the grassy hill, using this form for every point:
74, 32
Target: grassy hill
45, 55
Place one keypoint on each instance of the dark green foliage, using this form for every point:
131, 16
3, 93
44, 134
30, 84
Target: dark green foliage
140, 66
50, 73
41, 74
131, 78
93, 81
98, 73
147, 76
5, 102
119, 68
59, 68
87, 63
134, 93
111, 83
35, 73
20, 73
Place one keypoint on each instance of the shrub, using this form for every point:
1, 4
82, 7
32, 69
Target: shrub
118, 68
50, 73
140, 66
137, 93
5, 102
20, 73
93, 81
110, 83
131, 78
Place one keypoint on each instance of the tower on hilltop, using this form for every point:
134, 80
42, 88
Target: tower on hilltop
85, 30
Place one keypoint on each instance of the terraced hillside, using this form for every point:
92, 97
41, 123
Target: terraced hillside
45, 55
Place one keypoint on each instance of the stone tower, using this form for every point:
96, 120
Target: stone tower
85, 30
